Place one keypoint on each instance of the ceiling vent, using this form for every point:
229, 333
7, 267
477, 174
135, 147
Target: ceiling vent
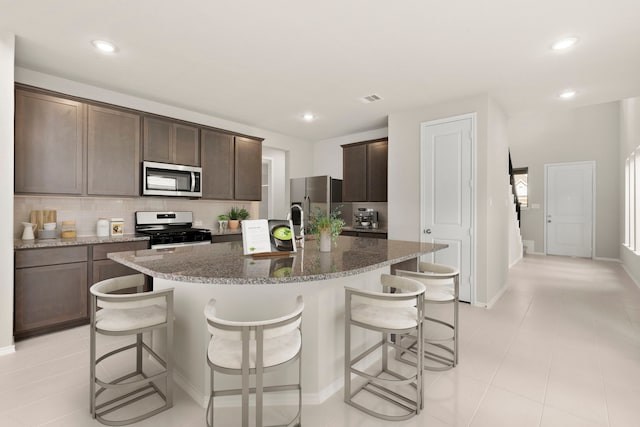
370, 98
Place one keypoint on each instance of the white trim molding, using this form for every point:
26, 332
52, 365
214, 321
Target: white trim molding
10, 349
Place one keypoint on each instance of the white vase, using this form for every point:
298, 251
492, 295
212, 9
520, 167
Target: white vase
325, 241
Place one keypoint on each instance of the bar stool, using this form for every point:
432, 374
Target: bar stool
130, 314
442, 287
397, 313
254, 348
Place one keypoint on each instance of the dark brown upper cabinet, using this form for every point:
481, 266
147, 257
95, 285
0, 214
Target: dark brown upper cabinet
377, 160
354, 173
113, 152
217, 154
168, 141
231, 166
68, 145
49, 144
248, 169
364, 171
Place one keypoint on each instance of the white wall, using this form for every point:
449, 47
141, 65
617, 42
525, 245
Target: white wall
581, 134
327, 153
7, 55
498, 222
404, 182
629, 140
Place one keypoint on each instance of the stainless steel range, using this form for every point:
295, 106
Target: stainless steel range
171, 229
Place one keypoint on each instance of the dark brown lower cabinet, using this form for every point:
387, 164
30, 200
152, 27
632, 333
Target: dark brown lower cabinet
102, 268
52, 284
369, 234
50, 290
221, 238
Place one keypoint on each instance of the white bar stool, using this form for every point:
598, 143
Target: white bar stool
130, 314
442, 287
251, 349
397, 313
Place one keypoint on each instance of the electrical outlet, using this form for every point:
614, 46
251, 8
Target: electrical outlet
197, 223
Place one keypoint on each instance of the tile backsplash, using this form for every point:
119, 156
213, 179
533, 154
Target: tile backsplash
86, 211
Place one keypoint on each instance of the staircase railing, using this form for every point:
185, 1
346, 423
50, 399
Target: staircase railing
512, 181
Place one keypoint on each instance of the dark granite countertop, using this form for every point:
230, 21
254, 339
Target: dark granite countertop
78, 241
224, 263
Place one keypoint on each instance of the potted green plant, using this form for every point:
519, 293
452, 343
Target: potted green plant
326, 227
235, 215
243, 214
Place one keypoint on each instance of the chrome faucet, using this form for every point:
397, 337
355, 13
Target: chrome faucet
299, 239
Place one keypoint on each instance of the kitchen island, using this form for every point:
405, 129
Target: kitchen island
249, 289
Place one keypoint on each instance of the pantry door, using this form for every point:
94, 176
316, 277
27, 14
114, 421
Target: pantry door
447, 195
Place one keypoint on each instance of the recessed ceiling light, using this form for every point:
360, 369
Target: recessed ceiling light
104, 46
568, 94
308, 117
565, 43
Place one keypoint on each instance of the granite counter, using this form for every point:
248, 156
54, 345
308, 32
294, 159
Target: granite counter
223, 263
19, 244
250, 289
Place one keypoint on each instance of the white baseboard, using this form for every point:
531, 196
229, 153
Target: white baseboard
289, 398
517, 260
7, 350
624, 267
536, 253
279, 399
495, 299
188, 388
607, 259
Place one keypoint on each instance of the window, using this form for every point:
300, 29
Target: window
521, 186
631, 200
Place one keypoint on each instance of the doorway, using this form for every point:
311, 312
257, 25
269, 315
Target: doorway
265, 209
447, 195
569, 198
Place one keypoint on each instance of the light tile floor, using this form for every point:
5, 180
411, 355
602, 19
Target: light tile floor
560, 348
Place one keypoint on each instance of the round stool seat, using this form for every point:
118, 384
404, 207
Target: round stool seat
385, 317
114, 320
227, 353
439, 295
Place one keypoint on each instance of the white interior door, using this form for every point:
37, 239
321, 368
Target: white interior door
447, 198
569, 209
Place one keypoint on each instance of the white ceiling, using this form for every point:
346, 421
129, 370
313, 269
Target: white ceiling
264, 63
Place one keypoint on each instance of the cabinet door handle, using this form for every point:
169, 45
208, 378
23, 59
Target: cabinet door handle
427, 231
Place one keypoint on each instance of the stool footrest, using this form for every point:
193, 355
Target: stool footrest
387, 395
252, 390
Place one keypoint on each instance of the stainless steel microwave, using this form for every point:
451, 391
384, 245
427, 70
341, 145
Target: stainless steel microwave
164, 179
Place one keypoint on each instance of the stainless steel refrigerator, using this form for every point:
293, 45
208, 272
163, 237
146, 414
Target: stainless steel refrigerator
313, 192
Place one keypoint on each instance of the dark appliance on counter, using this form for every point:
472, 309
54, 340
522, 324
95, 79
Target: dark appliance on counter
313, 192
165, 179
171, 229
365, 218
